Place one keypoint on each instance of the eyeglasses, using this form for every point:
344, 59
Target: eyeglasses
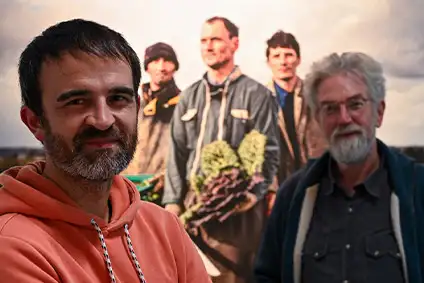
353, 106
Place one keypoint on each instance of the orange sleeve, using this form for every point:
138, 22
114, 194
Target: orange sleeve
192, 270
20, 262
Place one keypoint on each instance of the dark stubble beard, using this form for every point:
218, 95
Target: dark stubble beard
95, 166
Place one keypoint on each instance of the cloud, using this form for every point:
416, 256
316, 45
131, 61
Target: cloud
13, 132
389, 30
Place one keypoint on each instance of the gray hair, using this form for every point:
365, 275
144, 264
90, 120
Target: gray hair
357, 63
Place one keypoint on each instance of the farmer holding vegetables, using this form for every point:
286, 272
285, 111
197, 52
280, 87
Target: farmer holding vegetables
223, 156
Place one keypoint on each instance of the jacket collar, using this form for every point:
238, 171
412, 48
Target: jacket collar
164, 98
297, 88
396, 164
234, 75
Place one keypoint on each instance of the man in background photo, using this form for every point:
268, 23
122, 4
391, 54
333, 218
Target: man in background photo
158, 100
213, 117
299, 137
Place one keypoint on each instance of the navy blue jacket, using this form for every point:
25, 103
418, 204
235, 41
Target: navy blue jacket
279, 256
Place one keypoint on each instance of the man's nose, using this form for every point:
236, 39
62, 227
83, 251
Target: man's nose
344, 115
209, 45
285, 60
101, 116
161, 64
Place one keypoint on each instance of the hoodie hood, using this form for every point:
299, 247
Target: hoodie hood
24, 190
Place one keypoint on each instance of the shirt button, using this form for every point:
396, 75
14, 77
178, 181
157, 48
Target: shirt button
376, 253
347, 247
350, 210
345, 281
316, 254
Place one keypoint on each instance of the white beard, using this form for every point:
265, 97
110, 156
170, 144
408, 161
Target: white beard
351, 150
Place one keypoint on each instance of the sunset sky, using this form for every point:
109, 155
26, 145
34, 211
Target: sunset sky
389, 30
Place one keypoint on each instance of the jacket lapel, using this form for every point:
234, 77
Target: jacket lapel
403, 180
306, 214
300, 119
395, 217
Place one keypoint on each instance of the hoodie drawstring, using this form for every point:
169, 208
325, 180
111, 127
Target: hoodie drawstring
106, 254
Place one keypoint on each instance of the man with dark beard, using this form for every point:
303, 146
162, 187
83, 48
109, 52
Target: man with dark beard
224, 105
72, 218
300, 137
159, 98
357, 213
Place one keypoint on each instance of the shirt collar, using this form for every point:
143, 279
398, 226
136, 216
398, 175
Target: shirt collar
373, 184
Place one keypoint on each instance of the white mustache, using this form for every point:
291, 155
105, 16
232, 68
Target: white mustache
346, 130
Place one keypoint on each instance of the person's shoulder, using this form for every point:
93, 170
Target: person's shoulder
191, 88
21, 257
148, 208
288, 187
257, 93
190, 92
156, 215
254, 85
14, 230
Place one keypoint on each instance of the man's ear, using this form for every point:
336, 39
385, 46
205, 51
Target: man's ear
299, 61
380, 113
235, 41
33, 122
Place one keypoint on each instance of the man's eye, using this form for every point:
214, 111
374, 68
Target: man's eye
119, 98
355, 105
330, 109
75, 102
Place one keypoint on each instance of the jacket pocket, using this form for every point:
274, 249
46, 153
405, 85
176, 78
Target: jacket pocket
242, 114
189, 115
384, 261
190, 122
239, 125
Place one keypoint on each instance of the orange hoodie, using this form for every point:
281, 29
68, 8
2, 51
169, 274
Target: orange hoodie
45, 237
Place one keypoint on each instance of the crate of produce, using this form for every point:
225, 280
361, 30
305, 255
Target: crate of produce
145, 184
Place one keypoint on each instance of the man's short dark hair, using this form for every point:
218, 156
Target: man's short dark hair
232, 29
284, 40
70, 36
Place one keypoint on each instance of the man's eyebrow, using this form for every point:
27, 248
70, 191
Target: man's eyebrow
353, 97
84, 92
122, 89
72, 93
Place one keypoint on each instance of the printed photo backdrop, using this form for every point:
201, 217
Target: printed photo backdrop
389, 30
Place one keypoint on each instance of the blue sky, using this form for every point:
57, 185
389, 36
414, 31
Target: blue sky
389, 30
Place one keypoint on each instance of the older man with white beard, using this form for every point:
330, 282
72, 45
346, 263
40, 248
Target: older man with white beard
356, 214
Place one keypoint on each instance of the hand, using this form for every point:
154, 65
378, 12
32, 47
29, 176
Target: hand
160, 182
173, 208
247, 204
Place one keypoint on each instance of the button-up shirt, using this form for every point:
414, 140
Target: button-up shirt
351, 238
